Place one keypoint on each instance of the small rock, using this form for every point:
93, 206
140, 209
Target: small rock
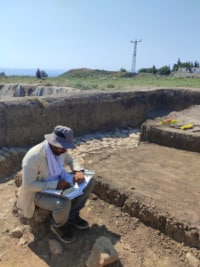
55, 247
192, 260
22, 241
103, 253
17, 232
94, 197
18, 179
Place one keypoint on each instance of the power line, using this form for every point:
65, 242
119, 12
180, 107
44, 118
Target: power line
133, 69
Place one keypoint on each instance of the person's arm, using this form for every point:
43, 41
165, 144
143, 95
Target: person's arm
30, 167
75, 167
73, 163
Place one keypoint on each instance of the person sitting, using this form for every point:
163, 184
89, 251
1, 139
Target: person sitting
43, 169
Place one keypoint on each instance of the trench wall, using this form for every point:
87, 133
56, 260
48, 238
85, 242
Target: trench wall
24, 121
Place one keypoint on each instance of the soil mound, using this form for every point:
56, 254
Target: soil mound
173, 134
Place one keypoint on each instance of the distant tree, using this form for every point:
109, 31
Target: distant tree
188, 65
175, 67
154, 70
144, 70
122, 70
196, 64
2, 74
185, 65
43, 74
165, 70
178, 62
38, 74
148, 70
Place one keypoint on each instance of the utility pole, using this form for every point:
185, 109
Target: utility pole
133, 69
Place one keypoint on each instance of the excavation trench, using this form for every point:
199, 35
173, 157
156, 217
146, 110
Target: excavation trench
157, 183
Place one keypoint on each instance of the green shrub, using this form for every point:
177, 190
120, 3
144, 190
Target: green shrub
164, 70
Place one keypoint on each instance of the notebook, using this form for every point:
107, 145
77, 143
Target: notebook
74, 191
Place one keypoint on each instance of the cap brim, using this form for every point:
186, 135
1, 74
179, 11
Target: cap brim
58, 141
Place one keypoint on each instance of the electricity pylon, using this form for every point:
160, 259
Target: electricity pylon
133, 69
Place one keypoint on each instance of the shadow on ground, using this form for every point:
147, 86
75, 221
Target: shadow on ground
74, 254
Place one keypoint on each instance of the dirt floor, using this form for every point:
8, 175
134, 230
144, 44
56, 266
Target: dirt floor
164, 179
137, 244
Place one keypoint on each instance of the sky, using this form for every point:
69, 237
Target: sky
97, 34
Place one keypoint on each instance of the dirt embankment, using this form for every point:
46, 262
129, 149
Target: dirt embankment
86, 113
23, 90
172, 134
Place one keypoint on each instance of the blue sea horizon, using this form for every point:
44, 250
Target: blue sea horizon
31, 72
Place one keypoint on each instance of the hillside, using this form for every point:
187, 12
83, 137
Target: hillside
90, 73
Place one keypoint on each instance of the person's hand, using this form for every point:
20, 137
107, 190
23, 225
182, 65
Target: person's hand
78, 177
62, 184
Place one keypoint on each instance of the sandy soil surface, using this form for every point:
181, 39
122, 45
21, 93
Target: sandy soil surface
137, 244
164, 178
